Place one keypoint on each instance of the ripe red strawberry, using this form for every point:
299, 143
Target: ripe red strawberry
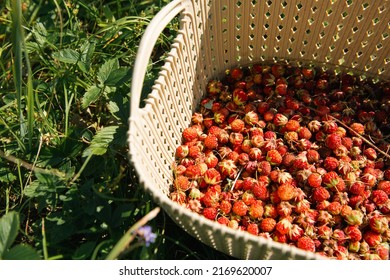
223, 220
384, 186
253, 229
267, 224
333, 141
306, 243
283, 226
211, 142
190, 133
280, 119
260, 191
314, 180
372, 238
333, 180
329, 126
331, 163
225, 206
379, 224
370, 153
240, 208
237, 125
210, 213
292, 125
358, 128
240, 97
236, 73
286, 191
256, 209
379, 197
320, 194
182, 183
274, 157
251, 118
212, 176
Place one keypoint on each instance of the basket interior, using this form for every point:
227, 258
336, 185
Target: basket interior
216, 35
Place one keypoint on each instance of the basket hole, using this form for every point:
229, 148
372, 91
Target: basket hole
350, 40
294, 29
308, 31
238, 4
381, 9
359, 54
224, 7
265, 36
264, 47
251, 36
277, 48
329, 12
314, 9
332, 47
359, 18
239, 15
364, 43
345, 51
238, 26
385, 35
373, 57
367, 67
284, 4
355, 29
282, 16
336, 37
325, 23
238, 48
252, 15
296, 18
387, 60
310, 21
299, 6
349, 2
354, 64
302, 53
305, 42
379, 46
318, 45
369, 33
315, 55
344, 15
328, 58
280, 27
365, 5
292, 39
381, 70
278, 38
252, 25
254, 2
269, 3
267, 14
250, 47
289, 50
375, 21
238, 37
322, 34
266, 26
340, 26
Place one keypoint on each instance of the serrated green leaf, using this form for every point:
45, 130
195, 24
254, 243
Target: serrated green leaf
106, 69
91, 95
6, 176
67, 56
118, 76
84, 251
87, 49
21, 252
101, 141
9, 226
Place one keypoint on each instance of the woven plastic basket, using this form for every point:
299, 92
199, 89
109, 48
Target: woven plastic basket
215, 35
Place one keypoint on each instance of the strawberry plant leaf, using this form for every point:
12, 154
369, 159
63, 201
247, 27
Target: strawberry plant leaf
91, 95
21, 252
9, 226
87, 49
101, 141
106, 69
118, 76
67, 56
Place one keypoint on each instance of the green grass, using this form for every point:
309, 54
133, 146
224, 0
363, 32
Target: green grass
67, 190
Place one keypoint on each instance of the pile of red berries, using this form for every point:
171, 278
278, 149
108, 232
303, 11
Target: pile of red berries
295, 154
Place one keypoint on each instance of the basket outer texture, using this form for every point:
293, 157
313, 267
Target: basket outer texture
215, 35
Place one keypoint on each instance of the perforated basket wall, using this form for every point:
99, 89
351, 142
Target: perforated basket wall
215, 35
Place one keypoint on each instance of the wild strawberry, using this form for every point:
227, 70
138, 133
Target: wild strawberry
379, 197
256, 209
211, 142
236, 138
292, 125
284, 208
384, 186
210, 213
383, 251
329, 126
331, 163
212, 176
225, 206
179, 197
264, 168
333, 180
274, 157
320, 194
260, 191
236, 73
214, 87
280, 119
372, 238
355, 218
190, 133
306, 243
193, 171
283, 226
182, 151
357, 128
251, 118
267, 224
237, 125
240, 208
253, 228
194, 151
286, 191
370, 153
339, 236
334, 208
239, 97
223, 220
295, 232
333, 141
314, 180
182, 183
379, 224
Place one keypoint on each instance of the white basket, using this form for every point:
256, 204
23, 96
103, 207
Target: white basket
215, 35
